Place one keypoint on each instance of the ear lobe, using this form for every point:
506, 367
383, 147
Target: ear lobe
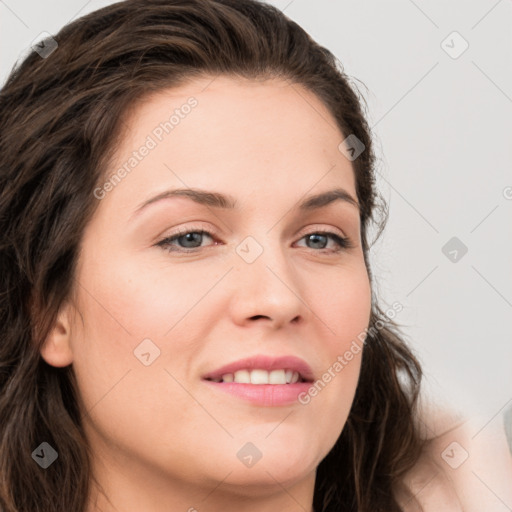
56, 350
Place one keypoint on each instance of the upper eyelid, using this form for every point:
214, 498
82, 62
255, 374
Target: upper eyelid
211, 232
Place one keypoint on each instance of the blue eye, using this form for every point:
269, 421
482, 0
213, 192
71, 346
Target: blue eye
192, 241
187, 237
316, 236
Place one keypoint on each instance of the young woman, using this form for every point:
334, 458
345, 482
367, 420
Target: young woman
188, 316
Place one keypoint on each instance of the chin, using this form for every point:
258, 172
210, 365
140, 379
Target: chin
258, 478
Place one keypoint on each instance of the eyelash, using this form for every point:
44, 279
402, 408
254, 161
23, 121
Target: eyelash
342, 242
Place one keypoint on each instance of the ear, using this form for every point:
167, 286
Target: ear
56, 350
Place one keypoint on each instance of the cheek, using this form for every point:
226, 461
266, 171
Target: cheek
344, 308
124, 303
344, 305
149, 296
119, 312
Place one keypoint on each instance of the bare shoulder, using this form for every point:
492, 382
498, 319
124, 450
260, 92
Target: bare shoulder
466, 465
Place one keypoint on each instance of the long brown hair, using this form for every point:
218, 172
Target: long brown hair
60, 120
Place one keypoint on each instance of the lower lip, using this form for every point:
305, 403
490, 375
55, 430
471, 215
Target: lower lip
268, 395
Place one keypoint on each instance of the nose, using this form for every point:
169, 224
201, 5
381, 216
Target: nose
266, 285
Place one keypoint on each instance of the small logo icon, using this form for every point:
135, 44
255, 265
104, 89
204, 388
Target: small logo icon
351, 147
44, 44
454, 45
249, 249
45, 455
454, 455
146, 352
249, 454
454, 249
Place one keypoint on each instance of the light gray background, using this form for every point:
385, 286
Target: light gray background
443, 136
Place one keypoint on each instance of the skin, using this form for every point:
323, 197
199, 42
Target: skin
162, 439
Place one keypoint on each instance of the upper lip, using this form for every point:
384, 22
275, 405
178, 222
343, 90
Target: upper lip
263, 362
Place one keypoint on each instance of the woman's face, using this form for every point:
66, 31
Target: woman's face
155, 319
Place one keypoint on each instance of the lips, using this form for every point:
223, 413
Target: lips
262, 362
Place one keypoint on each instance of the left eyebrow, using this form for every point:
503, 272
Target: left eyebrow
325, 198
218, 200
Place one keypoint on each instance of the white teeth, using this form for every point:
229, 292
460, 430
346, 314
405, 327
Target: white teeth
277, 377
242, 377
260, 377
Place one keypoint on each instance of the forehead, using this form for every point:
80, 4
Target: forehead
236, 133
229, 110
